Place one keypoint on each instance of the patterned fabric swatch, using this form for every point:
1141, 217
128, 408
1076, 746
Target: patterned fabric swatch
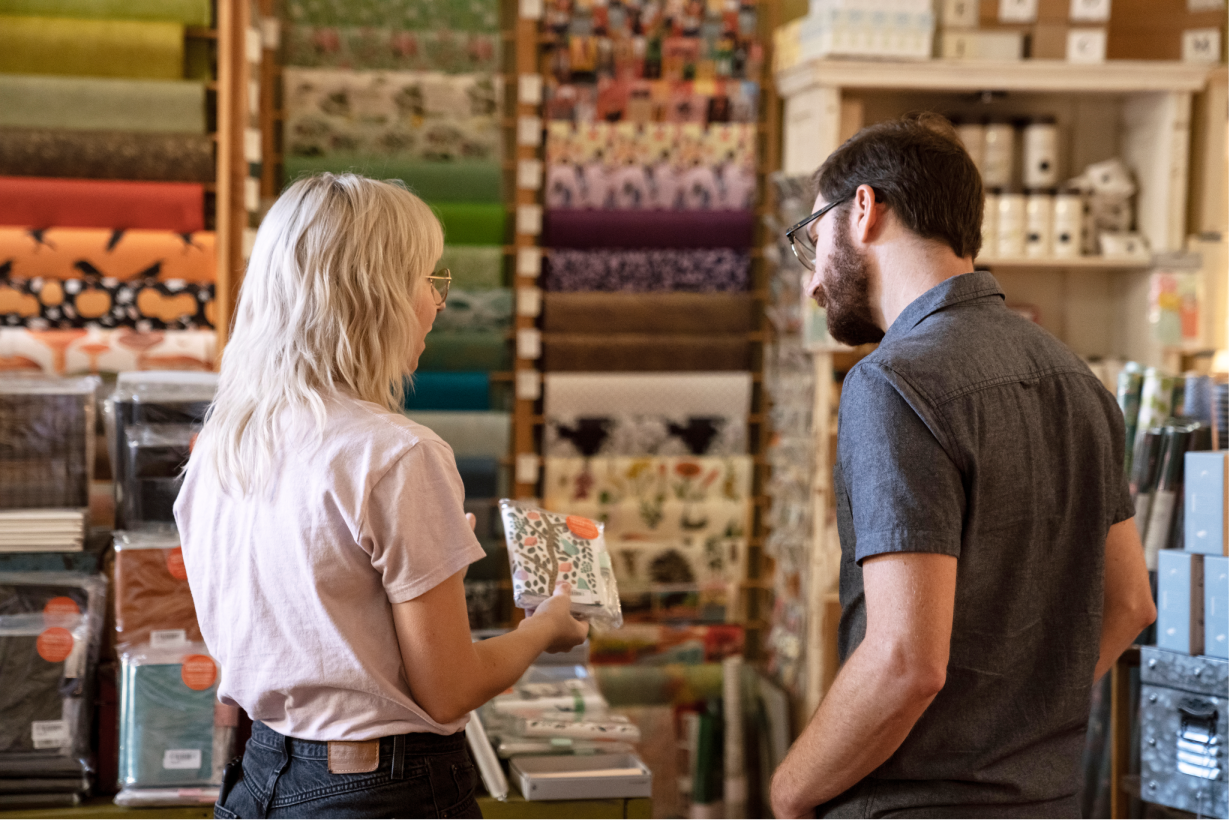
42, 304
424, 115
93, 350
390, 49
711, 568
727, 395
421, 15
38, 152
702, 270
674, 313
475, 310
613, 433
660, 166
47, 449
97, 253
474, 267
650, 101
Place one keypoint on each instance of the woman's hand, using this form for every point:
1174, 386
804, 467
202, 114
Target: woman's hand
564, 631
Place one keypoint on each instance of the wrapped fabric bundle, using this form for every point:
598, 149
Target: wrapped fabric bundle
106, 155
476, 310
153, 603
170, 735
50, 633
46, 442
74, 253
369, 49
546, 549
93, 350
449, 181
672, 313
97, 104
709, 270
103, 302
188, 12
91, 48
467, 350
449, 391
644, 351
39, 202
474, 267
575, 228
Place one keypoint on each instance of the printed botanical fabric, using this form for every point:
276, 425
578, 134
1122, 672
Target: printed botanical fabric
654, 499
662, 166
712, 567
418, 15
93, 350
703, 270
426, 115
391, 49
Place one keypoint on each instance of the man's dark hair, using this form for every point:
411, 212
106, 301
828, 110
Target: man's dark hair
918, 167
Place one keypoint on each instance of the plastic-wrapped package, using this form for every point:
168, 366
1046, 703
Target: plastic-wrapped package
50, 631
152, 420
546, 548
152, 600
509, 747
612, 727
173, 730
46, 441
552, 690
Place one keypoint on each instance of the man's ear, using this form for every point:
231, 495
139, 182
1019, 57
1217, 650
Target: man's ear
870, 217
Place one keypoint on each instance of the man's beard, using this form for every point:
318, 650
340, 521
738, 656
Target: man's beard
846, 292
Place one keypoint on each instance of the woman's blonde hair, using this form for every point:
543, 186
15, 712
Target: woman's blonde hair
327, 305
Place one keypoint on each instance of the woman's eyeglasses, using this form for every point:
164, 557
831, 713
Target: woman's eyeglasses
801, 240
440, 280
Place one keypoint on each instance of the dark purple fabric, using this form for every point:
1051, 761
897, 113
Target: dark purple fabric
648, 229
711, 270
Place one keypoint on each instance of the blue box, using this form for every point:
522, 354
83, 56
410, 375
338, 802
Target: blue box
1216, 606
1204, 503
1180, 601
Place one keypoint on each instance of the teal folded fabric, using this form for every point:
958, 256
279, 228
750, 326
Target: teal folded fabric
449, 391
467, 350
166, 728
474, 267
432, 181
101, 104
188, 12
471, 223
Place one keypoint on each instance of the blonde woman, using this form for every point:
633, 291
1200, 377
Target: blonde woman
324, 533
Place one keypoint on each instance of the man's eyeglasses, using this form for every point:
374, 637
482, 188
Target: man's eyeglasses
801, 240
440, 280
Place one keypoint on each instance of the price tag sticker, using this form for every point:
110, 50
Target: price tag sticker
181, 759
49, 734
164, 638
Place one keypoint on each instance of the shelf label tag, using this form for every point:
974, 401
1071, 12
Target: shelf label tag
529, 131
529, 385
529, 89
529, 262
529, 301
529, 343
527, 468
529, 219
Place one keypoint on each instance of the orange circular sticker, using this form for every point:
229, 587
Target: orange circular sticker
175, 564
61, 611
582, 527
199, 672
54, 644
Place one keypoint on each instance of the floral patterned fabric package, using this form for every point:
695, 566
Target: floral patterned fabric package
545, 548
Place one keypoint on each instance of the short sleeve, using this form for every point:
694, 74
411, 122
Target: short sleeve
1120, 492
905, 492
414, 524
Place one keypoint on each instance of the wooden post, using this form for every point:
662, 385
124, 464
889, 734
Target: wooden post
231, 167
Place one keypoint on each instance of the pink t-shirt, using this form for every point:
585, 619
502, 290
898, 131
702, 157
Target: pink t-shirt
293, 585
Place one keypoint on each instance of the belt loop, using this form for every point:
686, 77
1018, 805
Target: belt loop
273, 777
399, 754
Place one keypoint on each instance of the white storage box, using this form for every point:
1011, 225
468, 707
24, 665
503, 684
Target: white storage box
581, 777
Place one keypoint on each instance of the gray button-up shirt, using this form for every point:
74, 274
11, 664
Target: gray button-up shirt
974, 433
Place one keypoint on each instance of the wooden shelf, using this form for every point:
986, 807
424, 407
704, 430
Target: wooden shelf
1073, 262
1112, 77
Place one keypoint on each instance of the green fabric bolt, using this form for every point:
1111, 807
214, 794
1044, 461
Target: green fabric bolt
96, 104
474, 267
464, 15
158, 713
471, 223
433, 182
187, 12
91, 48
467, 350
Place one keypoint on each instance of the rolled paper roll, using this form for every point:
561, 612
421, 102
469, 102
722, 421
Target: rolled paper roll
648, 229
102, 104
1156, 401
703, 313
86, 253
41, 152
628, 352
39, 202
431, 181
91, 48
187, 12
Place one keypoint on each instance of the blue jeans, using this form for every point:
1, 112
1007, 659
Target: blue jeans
419, 775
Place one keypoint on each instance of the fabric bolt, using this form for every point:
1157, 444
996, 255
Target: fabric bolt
106, 155
148, 595
366, 48
97, 104
91, 48
1006, 453
470, 434
93, 350
711, 270
474, 267
672, 313
76, 253
466, 350
475, 310
46, 445
472, 223
443, 181
449, 391
712, 568
578, 99
36, 202
187, 12
413, 116
589, 229
425, 15
626, 352
160, 716
698, 394
611, 433
97, 301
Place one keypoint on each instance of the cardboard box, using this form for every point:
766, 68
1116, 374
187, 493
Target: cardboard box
1180, 601
982, 45
1049, 41
1087, 45
959, 14
1205, 526
1153, 29
1216, 606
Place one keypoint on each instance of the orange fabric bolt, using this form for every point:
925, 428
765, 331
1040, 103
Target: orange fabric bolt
84, 253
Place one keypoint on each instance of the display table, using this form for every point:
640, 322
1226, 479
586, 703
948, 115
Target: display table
515, 807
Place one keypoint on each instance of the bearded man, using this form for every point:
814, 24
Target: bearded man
990, 569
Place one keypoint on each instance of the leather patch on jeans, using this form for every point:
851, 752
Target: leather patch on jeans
353, 757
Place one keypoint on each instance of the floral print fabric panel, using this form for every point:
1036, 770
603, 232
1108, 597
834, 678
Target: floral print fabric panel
93, 350
710, 270
425, 115
628, 434
416, 15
